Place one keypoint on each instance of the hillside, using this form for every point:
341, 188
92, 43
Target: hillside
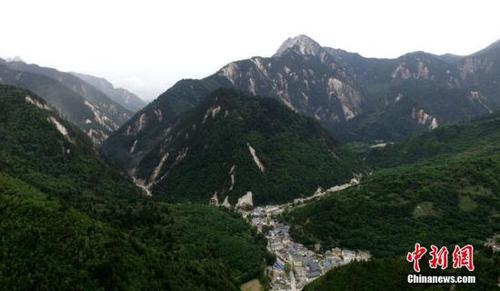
50, 246
149, 123
81, 103
72, 222
416, 106
120, 95
441, 187
391, 274
478, 137
440, 203
234, 144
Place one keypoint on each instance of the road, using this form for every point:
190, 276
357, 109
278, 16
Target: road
293, 284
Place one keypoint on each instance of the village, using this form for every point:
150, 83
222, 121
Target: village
295, 264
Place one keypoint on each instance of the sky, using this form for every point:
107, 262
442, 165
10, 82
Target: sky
146, 46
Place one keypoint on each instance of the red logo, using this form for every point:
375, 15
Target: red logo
439, 257
462, 257
415, 256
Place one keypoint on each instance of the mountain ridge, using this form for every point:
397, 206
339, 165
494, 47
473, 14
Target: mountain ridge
68, 220
120, 95
242, 144
84, 105
335, 86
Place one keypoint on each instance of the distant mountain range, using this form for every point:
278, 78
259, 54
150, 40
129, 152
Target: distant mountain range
85, 105
354, 97
122, 96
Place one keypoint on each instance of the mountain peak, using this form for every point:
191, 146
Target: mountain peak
302, 44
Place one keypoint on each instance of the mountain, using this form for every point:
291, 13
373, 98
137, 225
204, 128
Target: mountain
91, 110
467, 138
304, 77
234, 148
122, 96
433, 90
68, 221
438, 188
302, 43
482, 69
355, 98
311, 84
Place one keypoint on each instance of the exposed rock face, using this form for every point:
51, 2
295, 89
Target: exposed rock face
305, 78
234, 143
122, 96
349, 98
302, 43
38, 104
354, 97
81, 103
403, 72
426, 67
336, 87
425, 119
137, 126
245, 201
476, 96
59, 126
256, 159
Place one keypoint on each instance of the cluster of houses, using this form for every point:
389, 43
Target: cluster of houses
295, 265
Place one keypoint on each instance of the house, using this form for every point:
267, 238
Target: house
298, 261
313, 269
276, 246
279, 264
327, 264
337, 252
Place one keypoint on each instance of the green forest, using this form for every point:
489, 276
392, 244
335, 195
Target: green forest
440, 188
440, 203
70, 222
391, 274
297, 154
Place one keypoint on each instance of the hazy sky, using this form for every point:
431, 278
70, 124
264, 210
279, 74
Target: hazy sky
146, 46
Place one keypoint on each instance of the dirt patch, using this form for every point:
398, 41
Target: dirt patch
253, 285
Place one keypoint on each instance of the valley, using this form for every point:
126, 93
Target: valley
225, 182
297, 265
